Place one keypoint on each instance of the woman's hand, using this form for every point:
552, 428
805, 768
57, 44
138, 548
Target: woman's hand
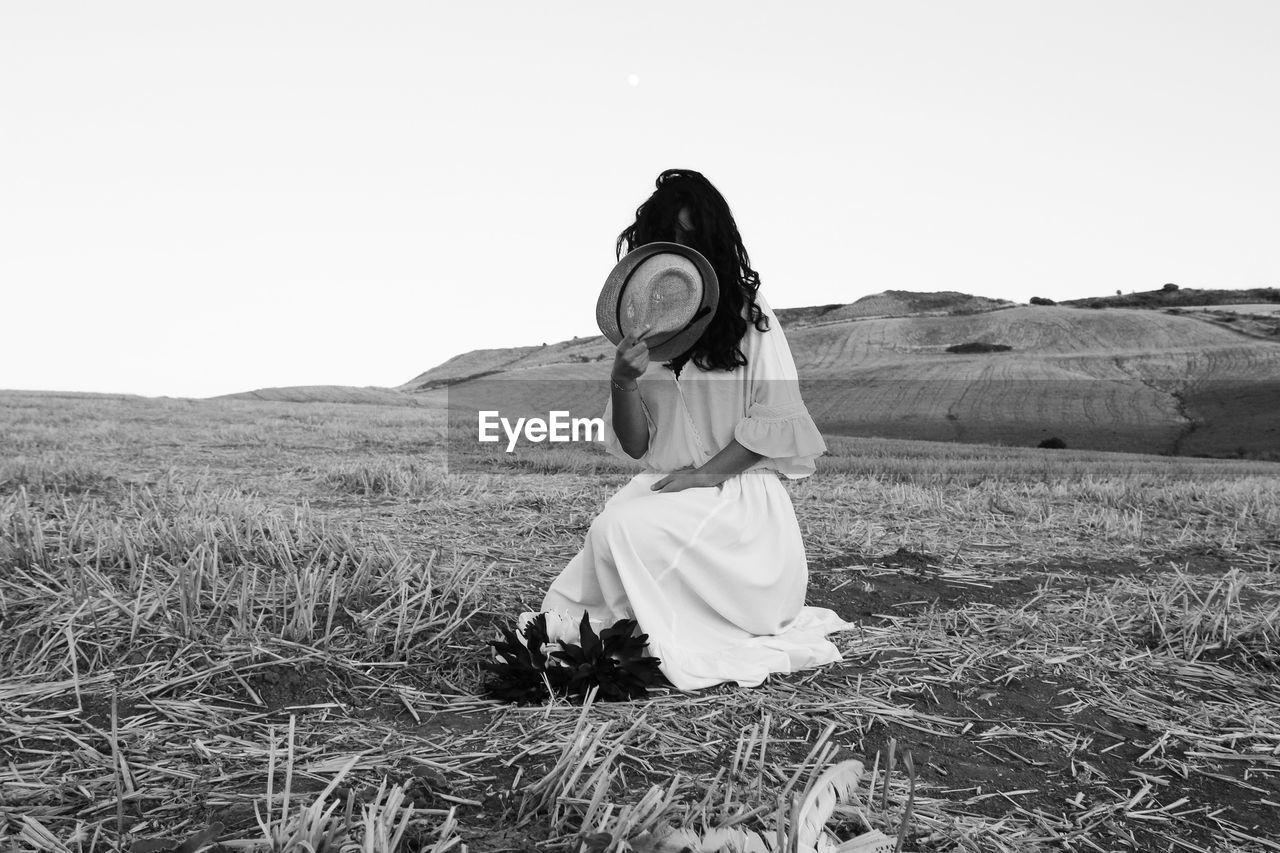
684, 478
631, 359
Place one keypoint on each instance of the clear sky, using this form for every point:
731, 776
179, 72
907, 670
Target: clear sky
204, 198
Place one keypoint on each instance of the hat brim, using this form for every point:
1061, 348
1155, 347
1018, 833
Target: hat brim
665, 346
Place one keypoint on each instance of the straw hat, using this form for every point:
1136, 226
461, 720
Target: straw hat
667, 287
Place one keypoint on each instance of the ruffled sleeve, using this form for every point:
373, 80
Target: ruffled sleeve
777, 423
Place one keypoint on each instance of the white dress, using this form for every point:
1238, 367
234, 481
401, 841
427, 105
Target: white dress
716, 576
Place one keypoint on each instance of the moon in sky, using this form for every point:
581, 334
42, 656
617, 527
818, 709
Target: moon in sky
633, 79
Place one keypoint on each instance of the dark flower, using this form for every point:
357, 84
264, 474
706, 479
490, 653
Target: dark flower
614, 662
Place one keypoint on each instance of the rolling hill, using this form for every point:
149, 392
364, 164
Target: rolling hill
368, 395
1173, 296
481, 363
892, 303
1127, 379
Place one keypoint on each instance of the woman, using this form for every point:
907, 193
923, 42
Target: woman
702, 548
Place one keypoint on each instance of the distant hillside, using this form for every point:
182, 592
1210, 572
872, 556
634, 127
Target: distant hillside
489, 362
892, 303
1254, 312
77, 395
1178, 297
1123, 379
1252, 319
481, 363
369, 394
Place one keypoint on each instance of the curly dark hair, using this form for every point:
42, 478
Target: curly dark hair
715, 234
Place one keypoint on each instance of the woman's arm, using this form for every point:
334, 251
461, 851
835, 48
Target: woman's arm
629, 423
732, 459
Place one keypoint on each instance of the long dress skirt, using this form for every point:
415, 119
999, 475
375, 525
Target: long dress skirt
716, 576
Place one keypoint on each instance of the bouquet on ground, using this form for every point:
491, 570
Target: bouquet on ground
551, 654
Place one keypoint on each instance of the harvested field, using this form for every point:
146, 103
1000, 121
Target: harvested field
258, 625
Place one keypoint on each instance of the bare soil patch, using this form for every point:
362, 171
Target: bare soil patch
1035, 745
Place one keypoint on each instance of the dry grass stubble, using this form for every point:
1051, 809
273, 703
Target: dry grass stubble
267, 619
